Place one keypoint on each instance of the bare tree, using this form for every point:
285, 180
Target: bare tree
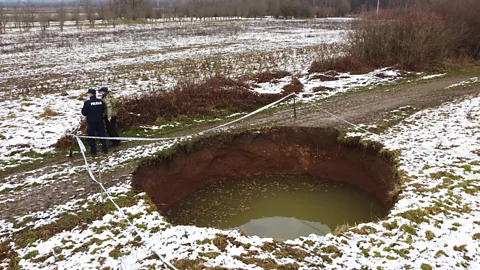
131, 9
108, 11
77, 17
28, 15
44, 20
3, 19
89, 10
342, 7
61, 15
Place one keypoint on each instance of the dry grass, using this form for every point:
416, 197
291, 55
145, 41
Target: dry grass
48, 112
341, 64
221, 242
269, 76
294, 87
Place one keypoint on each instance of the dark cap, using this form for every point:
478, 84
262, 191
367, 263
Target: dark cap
91, 91
103, 89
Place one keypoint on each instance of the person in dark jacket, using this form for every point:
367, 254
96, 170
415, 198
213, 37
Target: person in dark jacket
110, 114
93, 109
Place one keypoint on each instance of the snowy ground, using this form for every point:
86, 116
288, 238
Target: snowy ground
435, 224
27, 129
42, 87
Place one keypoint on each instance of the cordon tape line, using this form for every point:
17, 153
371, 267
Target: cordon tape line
426, 148
191, 135
152, 247
250, 114
83, 151
343, 120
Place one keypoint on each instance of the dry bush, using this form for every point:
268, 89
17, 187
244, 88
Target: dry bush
341, 64
422, 38
463, 16
416, 39
190, 100
268, 76
67, 141
294, 87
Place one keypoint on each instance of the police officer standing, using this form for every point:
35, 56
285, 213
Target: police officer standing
93, 109
110, 114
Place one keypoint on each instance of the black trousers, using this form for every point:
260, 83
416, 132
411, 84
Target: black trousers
112, 129
96, 128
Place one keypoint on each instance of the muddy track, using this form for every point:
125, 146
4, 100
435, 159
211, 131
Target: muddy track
369, 106
366, 106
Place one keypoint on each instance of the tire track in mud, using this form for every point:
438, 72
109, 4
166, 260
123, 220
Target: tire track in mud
366, 106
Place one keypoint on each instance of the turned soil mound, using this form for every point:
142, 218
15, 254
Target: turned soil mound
314, 152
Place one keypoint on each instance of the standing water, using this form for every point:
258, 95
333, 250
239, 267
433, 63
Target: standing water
277, 206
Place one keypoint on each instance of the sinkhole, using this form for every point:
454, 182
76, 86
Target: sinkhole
282, 182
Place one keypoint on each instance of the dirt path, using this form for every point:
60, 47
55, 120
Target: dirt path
366, 106
369, 106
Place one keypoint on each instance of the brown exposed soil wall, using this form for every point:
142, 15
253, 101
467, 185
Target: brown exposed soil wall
282, 150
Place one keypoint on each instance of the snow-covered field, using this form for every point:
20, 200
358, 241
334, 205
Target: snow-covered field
42, 81
435, 224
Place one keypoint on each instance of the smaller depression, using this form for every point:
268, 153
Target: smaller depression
277, 206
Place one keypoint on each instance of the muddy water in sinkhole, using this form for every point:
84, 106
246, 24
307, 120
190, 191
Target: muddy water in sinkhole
277, 206
268, 182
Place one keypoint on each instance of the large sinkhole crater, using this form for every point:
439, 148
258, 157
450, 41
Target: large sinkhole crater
281, 182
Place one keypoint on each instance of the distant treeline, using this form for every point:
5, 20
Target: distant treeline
25, 14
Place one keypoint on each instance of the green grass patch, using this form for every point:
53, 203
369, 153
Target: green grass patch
409, 229
425, 266
31, 254
429, 235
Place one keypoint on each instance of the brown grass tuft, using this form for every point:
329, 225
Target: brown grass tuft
294, 87
48, 112
221, 242
341, 64
268, 76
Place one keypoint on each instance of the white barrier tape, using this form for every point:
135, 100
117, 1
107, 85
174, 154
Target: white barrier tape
82, 150
90, 173
125, 138
250, 114
426, 148
191, 135
343, 120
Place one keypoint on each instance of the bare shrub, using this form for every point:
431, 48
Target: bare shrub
415, 39
269, 76
294, 87
346, 63
190, 100
419, 38
321, 89
463, 17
